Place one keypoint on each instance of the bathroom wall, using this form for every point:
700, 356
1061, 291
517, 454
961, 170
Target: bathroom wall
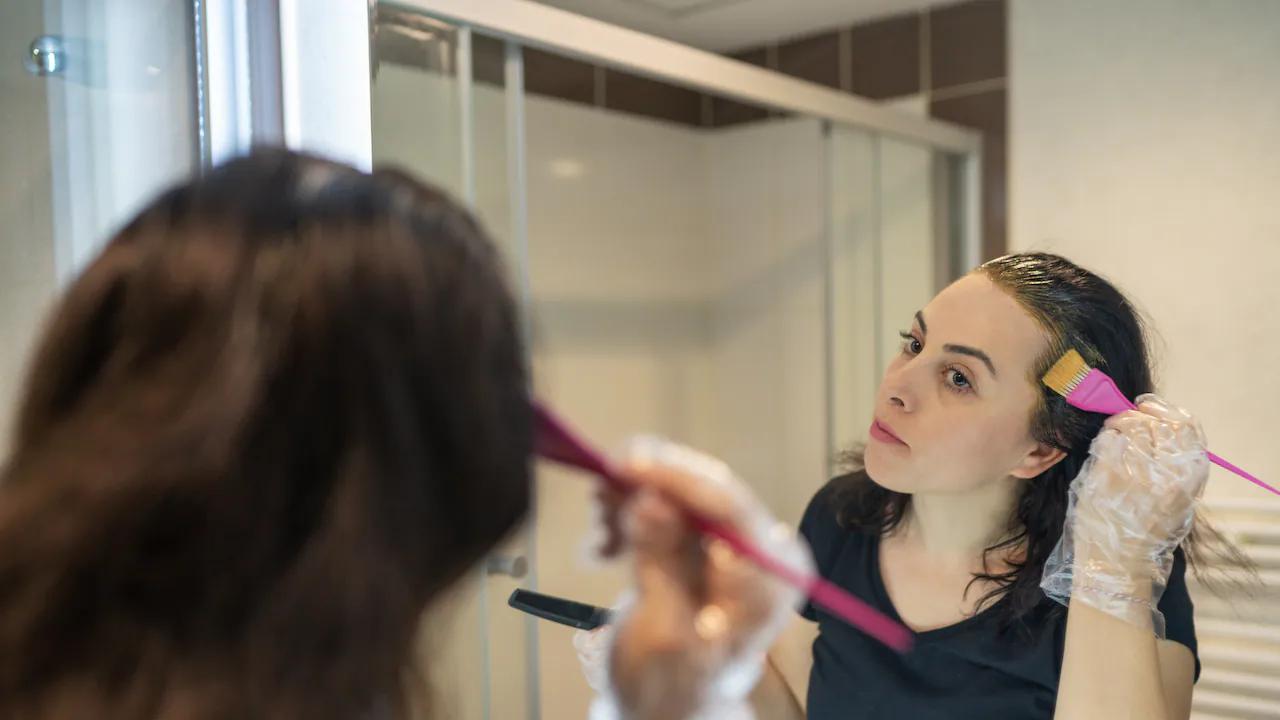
1143, 144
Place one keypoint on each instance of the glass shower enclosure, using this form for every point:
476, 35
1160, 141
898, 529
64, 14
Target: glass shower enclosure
702, 248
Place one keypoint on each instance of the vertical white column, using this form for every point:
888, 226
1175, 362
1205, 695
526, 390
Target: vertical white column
971, 207
325, 79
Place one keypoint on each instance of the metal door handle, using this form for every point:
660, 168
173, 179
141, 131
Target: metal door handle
46, 56
516, 566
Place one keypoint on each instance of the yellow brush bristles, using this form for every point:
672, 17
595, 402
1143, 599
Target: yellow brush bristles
1067, 373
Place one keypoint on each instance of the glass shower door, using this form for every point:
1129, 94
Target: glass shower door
895, 239
98, 111
442, 110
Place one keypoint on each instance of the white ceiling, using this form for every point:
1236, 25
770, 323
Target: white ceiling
731, 24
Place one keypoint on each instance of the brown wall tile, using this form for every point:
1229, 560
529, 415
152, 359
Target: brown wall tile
641, 96
488, 59
559, 77
967, 42
752, 56
886, 57
730, 112
815, 58
986, 112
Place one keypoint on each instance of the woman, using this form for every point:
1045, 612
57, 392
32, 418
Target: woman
960, 497
281, 414
981, 495
237, 476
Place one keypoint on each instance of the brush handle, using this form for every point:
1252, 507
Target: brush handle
1228, 466
1098, 393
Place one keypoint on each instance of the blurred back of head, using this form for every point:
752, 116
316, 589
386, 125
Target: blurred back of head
284, 409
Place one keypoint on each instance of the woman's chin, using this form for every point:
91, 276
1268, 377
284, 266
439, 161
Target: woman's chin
885, 472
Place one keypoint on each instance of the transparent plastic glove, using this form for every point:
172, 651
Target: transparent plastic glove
689, 640
1130, 507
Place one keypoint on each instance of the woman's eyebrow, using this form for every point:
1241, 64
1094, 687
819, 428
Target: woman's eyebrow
972, 352
959, 349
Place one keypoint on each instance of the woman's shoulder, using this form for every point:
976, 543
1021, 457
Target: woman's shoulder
821, 525
839, 551
822, 510
828, 502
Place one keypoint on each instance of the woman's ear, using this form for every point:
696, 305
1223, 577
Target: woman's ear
1039, 459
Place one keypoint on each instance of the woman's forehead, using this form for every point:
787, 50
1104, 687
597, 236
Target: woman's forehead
976, 312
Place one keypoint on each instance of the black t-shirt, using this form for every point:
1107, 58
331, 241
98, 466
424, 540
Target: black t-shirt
971, 669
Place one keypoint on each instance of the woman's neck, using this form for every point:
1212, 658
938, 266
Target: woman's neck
955, 528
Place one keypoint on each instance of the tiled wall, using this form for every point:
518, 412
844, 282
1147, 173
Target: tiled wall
573, 80
954, 56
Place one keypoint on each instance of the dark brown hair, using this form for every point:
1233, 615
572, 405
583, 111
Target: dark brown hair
1076, 309
284, 409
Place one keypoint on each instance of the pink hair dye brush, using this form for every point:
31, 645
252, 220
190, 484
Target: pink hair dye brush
1093, 391
554, 441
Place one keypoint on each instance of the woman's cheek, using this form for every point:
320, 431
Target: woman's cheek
972, 445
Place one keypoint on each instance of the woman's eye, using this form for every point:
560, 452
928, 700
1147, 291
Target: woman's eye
959, 380
910, 344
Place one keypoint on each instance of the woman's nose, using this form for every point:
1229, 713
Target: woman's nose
898, 389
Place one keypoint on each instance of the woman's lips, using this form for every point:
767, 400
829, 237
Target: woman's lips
883, 433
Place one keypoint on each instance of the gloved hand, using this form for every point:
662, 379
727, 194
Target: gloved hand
1130, 507
690, 638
